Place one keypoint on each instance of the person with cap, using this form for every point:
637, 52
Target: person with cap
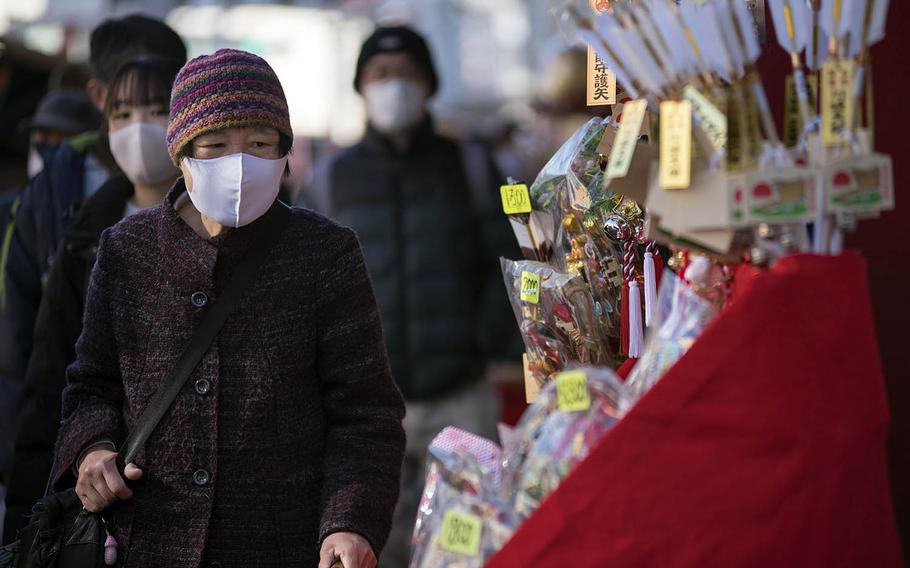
50, 201
136, 115
428, 211
61, 114
286, 447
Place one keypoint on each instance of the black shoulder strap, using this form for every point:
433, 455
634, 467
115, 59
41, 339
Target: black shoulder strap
267, 233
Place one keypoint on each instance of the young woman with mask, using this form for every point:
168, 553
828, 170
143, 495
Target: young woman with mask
285, 448
135, 117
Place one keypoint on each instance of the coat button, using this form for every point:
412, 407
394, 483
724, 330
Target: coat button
201, 477
199, 299
203, 386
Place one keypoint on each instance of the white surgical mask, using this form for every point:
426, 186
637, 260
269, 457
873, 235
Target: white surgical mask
140, 150
35, 162
235, 190
394, 105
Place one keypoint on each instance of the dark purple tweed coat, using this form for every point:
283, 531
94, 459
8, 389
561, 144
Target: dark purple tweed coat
289, 429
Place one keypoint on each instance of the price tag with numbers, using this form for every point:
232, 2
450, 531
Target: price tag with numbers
461, 533
515, 199
572, 391
530, 287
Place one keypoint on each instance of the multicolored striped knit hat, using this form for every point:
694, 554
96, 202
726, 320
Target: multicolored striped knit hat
225, 89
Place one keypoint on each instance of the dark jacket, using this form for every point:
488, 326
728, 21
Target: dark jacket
57, 328
289, 429
47, 207
432, 246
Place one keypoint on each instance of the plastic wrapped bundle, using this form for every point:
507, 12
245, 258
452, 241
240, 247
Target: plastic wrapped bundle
461, 521
570, 416
681, 317
555, 312
572, 167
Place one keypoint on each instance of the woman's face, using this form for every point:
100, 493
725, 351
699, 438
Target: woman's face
259, 141
124, 114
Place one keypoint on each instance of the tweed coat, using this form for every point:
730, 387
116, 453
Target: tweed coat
290, 427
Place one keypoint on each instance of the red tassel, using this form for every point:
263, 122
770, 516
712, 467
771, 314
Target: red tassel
624, 321
658, 268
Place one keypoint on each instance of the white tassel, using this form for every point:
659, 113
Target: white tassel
636, 335
650, 289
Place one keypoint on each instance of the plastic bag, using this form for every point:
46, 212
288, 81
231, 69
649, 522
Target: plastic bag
570, 416
572, 167
680, 318
556, 318
461, 521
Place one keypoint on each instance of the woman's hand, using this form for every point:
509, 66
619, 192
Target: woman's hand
100, 484
353, 550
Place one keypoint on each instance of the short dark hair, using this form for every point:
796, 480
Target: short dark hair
115, 42
142, 82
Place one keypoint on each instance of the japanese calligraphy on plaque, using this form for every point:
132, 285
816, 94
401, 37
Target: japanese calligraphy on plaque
675, 144
601, 81
837, 100
793, 122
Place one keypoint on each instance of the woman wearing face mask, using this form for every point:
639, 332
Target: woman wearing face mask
136, 114
284, 447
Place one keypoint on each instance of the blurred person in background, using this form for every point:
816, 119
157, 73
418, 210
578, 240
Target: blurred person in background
49, 203
136, 115
60, 114
285, 447
428, 212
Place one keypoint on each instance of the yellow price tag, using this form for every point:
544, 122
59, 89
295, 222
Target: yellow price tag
837, 100
710, 119
633, 113
675, 144
530, 287
572, 391
515, 199
461, 533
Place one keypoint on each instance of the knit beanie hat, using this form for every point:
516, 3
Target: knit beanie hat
398, 39
226, 89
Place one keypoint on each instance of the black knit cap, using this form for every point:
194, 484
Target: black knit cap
398, 39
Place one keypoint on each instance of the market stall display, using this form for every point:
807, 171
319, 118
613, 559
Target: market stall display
683, 245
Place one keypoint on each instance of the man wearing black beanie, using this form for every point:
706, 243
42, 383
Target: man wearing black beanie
425, 209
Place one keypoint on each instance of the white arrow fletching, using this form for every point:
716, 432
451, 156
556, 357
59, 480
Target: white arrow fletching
747, 29
624, 79
877, 23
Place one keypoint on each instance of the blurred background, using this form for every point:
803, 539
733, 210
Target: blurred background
507, 78
502, 65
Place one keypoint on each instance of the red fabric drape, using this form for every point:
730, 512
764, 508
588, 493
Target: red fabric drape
763, 446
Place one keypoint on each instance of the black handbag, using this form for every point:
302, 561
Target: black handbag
60, 532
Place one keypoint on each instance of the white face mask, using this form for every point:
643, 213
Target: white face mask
235, 190
394, 105
35, 162
140, 150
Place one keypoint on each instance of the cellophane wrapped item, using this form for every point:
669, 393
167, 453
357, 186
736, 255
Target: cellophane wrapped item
557, 322
572, 167
462, 521
681, 317
557, 432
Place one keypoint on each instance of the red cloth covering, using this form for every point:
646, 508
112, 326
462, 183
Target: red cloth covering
763, 446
